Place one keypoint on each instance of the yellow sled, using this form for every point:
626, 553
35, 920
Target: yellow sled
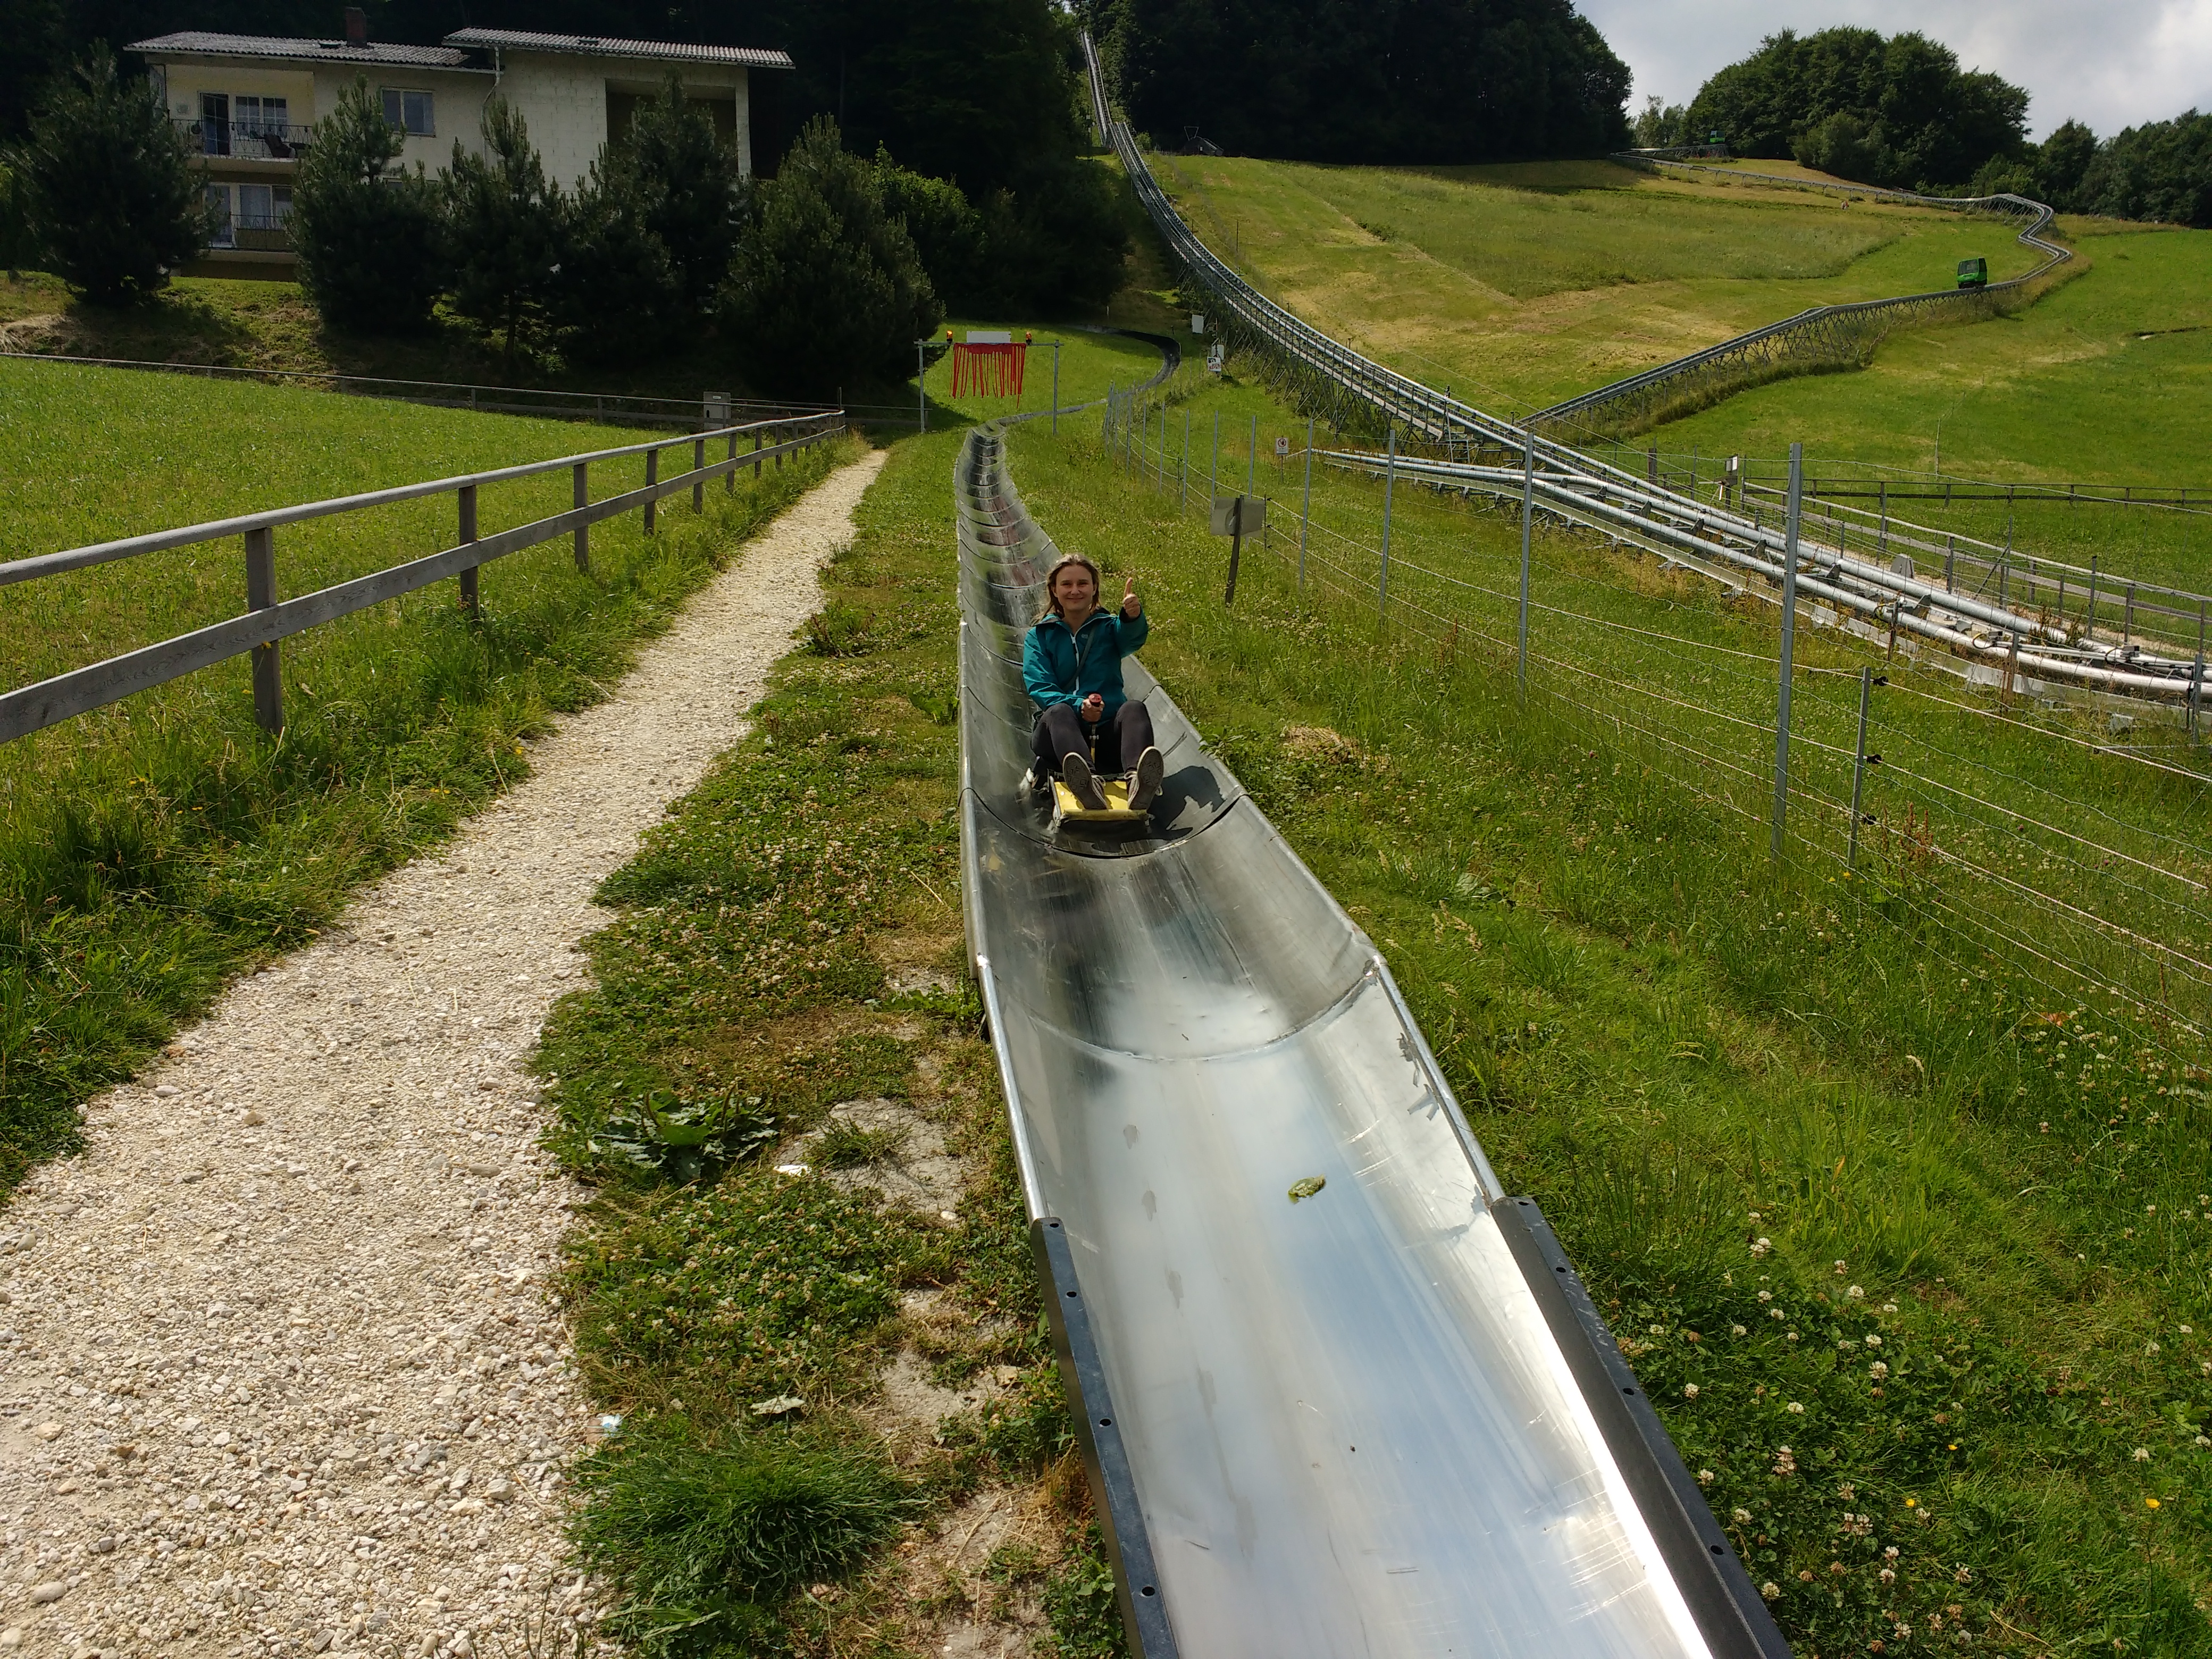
1068, 810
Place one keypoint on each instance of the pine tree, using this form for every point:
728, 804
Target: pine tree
371, 241
504, 223
654, 230
109, 191
829, 290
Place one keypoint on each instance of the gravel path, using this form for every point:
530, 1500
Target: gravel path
278, 1369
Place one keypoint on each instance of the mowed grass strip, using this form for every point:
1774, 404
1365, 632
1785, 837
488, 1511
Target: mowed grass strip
1915, 1264
150, 850
790, 940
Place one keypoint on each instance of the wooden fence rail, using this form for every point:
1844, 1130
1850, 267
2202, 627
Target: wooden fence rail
267, 619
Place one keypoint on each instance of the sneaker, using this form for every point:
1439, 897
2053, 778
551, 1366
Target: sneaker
1144, 782
1075, 773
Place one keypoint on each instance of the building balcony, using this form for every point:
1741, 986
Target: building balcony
248, 141
252, 233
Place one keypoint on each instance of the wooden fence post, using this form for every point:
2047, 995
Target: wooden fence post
468, 494
651, 478
260, 594
757, 466
698, 484
582, 497
730, 478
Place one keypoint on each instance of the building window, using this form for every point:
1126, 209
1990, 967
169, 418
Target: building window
409, 112
215, 123
263, 207
262, 115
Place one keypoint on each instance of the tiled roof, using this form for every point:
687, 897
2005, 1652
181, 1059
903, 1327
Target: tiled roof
592, 46
193, 43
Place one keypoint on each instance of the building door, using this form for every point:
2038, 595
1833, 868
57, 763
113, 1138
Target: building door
215, 123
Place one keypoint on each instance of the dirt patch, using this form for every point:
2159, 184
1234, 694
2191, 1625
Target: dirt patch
1320, 743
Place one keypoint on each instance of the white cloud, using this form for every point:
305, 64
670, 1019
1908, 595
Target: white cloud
2111, 63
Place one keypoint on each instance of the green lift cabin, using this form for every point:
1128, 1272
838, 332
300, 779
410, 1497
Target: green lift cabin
1974, 273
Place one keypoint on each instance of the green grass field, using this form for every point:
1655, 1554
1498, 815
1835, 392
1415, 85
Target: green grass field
1519, 286
1779, 1119
149, 850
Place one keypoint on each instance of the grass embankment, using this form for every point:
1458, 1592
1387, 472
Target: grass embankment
1916, 1262
790, 940
1519, 286
2039, 824
149, 850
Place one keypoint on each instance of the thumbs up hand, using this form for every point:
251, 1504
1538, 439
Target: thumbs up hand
1131, 606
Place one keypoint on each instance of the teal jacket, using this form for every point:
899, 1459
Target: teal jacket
1060, 666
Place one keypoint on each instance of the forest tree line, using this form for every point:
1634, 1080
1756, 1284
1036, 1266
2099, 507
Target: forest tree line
1899, 112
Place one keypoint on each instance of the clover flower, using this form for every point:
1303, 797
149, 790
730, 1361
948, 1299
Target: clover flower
1770, 1590
1707, 1477
1689, 1391
2142, 1454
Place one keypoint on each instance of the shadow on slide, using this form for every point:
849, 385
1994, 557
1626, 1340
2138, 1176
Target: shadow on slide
1338, 1394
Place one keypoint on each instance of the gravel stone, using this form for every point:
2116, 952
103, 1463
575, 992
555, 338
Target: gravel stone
291, 1302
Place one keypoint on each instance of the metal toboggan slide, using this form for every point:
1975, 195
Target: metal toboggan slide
1382, 1419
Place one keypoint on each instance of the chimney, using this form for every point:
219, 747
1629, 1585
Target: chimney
356, 27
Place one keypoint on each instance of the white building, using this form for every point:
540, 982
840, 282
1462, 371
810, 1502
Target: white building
250, 103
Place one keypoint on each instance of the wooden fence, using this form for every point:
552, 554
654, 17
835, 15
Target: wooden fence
268, 620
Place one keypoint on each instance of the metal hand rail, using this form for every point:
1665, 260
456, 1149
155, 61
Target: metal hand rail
268, 619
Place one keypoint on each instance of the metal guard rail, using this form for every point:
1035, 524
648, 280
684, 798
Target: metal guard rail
1669, 527
33, 707
1456, 430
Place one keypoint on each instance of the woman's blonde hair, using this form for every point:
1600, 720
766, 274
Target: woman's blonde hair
1052, 599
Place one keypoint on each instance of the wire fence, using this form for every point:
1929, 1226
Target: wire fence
1991, 823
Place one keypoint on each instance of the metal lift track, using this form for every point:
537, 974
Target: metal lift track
1382, 1421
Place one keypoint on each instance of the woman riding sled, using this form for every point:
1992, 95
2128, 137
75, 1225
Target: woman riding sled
1072, 666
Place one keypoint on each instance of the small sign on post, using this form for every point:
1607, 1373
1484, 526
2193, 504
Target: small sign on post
1216, 359
1237, 516
1282, 449
1198, 322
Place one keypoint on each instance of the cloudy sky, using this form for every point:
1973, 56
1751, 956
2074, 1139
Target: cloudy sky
2111, 63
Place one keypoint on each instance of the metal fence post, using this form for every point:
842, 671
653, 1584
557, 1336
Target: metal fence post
260, 594
2197, 676
1859, 763
580, 495
1183, 498
1788, 642
1213, 476
1252, 458
1055, 388
2092, 597
1305, 507
2127, 618
468, 516
1390, 480
1528, 522
698, 466
651, 478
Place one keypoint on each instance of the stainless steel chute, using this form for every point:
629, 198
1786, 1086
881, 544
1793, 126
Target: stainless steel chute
1380, 1421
